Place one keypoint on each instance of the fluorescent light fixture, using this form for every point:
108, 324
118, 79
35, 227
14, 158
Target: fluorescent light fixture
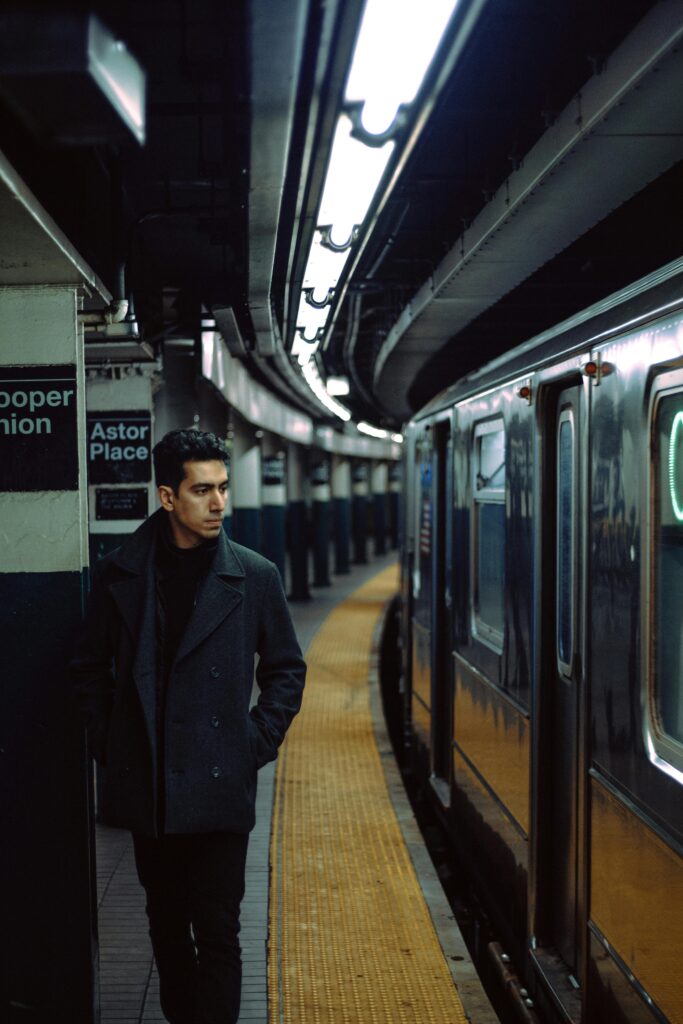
367, 428
310, 372
337, 386
302, 350
396, 44
353, 175
310, 320
398, 438
324, 268
118, 75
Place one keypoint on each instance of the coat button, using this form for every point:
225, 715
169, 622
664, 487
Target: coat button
213, 671
214, 722
216, 772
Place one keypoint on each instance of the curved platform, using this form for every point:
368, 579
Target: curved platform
351, 937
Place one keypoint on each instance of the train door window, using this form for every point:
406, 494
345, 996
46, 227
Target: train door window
566, 540
666, 697
489, 532
423, 519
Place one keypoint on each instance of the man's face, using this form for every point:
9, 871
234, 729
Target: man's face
196, 510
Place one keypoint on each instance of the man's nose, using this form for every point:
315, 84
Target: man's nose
219, 499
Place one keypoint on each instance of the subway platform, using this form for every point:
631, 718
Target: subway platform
344, 919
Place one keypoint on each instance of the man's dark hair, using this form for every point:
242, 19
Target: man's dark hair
180, 446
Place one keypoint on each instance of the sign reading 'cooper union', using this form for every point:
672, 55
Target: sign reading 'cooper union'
119, 447
38, 428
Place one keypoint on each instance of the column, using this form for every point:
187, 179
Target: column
119, 429
246, 486
274, 501
359, 512
320, 493
297, 524
341, 510
379, 504
48, 939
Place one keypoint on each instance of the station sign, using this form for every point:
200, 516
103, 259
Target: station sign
320, 474
121, 503
38, 428
119, 447
273, 470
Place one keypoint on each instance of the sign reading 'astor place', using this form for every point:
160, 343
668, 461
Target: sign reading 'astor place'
38, 428
119, 447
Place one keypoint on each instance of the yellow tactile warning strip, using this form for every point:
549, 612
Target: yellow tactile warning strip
351, 940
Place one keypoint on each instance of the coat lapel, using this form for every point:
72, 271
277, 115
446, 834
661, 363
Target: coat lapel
217, 597
129, 595
135, 597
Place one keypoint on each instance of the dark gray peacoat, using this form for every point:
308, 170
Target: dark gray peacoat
214, 744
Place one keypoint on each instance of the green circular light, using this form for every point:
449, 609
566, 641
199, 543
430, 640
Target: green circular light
676, 426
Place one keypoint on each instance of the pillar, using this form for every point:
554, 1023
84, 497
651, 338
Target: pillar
245, 465
297, 523
359, 512
48, 946
119, 431
394, 499
379, 504
341, 510
274, 501
320, 493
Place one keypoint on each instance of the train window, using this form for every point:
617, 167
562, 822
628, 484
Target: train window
667, 627
489, 532
566, 534
423, 518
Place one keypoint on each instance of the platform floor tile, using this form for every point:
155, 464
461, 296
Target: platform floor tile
351, 937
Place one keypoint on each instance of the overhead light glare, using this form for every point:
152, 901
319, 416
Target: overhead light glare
324, 268
396, 43
353, 176
310, 319
367, 428
310, 372
398, 438
337, 386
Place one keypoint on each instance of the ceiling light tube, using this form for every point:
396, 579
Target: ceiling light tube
337, 386
406, 36
353, 175
311, 319
323, 269
310, 372
367, 428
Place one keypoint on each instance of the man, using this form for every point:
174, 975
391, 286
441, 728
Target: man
164, 673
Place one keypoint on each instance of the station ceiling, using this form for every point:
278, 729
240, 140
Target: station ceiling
545, 173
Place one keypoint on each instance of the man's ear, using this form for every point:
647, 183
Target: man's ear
166, 497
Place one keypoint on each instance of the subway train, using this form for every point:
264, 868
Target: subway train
541, 652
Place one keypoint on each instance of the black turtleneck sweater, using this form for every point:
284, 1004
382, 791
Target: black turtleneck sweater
179, 575
180, 572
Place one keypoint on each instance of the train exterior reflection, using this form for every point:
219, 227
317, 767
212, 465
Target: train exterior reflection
542, 649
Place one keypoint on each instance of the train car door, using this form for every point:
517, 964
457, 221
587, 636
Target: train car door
422, 591
441, 617
558, 722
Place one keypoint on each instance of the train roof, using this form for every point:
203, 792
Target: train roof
649, 296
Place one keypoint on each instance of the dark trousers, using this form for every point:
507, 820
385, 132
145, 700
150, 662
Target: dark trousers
194, 886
